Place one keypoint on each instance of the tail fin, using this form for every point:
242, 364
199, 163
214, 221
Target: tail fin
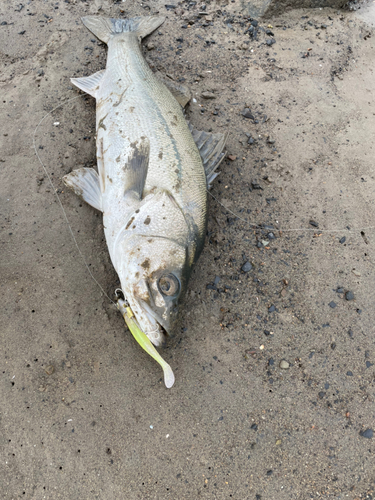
104, 27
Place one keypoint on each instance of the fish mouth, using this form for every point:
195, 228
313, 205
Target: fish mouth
155, 318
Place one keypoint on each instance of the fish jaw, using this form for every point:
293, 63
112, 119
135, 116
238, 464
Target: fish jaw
147, 322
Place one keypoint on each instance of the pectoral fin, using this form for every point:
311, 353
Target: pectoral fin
136, 168
85, 183
89, 84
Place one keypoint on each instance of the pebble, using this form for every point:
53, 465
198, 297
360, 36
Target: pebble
343, 239
272, 309
284, 365
349, 373
369, 364
255, 185
246, 267
356, 273
49, 369
313, 223
270, 41
208, 95
150, 46
247, 113
332, 304
368, 433
232, 157
321, 394
349, 295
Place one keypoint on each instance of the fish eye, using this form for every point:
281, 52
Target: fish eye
169, 284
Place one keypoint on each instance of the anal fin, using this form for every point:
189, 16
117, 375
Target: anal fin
85, 183
89, 84
210, 147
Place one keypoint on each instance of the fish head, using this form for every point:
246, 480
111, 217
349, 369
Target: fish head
154, 272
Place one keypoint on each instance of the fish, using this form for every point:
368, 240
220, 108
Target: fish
153, 171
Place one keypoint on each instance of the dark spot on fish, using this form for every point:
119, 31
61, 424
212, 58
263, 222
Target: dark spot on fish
131, 109
118, 158
160, 154
146, 264
137, 211
137, 274
120, 100
150, 240
128, 224
147, 220
101, 124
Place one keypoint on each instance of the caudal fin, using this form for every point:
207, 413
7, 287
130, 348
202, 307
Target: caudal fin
105, 27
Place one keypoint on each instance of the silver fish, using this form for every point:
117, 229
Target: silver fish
153, 173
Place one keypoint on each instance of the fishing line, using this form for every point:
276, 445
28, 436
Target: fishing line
58, 197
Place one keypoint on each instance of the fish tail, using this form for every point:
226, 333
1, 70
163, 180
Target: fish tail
105, 27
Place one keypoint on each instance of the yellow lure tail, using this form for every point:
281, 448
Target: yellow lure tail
145, 342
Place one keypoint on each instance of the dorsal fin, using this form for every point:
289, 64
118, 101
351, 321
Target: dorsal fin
210, 147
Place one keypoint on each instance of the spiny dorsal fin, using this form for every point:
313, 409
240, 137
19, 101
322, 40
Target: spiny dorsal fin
210, 147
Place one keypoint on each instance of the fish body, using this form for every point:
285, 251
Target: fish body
151, 183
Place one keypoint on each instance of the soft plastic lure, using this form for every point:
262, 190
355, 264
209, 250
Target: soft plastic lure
144, 341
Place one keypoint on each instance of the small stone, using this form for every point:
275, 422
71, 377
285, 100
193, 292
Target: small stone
343, 239
321, 394
369, 364
255, 185
272, 309
208, 95
356, 273
332, 304
368, 433
49, 369
22, 32
246, 267
247, 113
323, 26
270, 41
278, 442
349, 295
313, 223
254, 427
271, 141
349, 373
251, 140
254, 23
232, 157
284, 365
150, 46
